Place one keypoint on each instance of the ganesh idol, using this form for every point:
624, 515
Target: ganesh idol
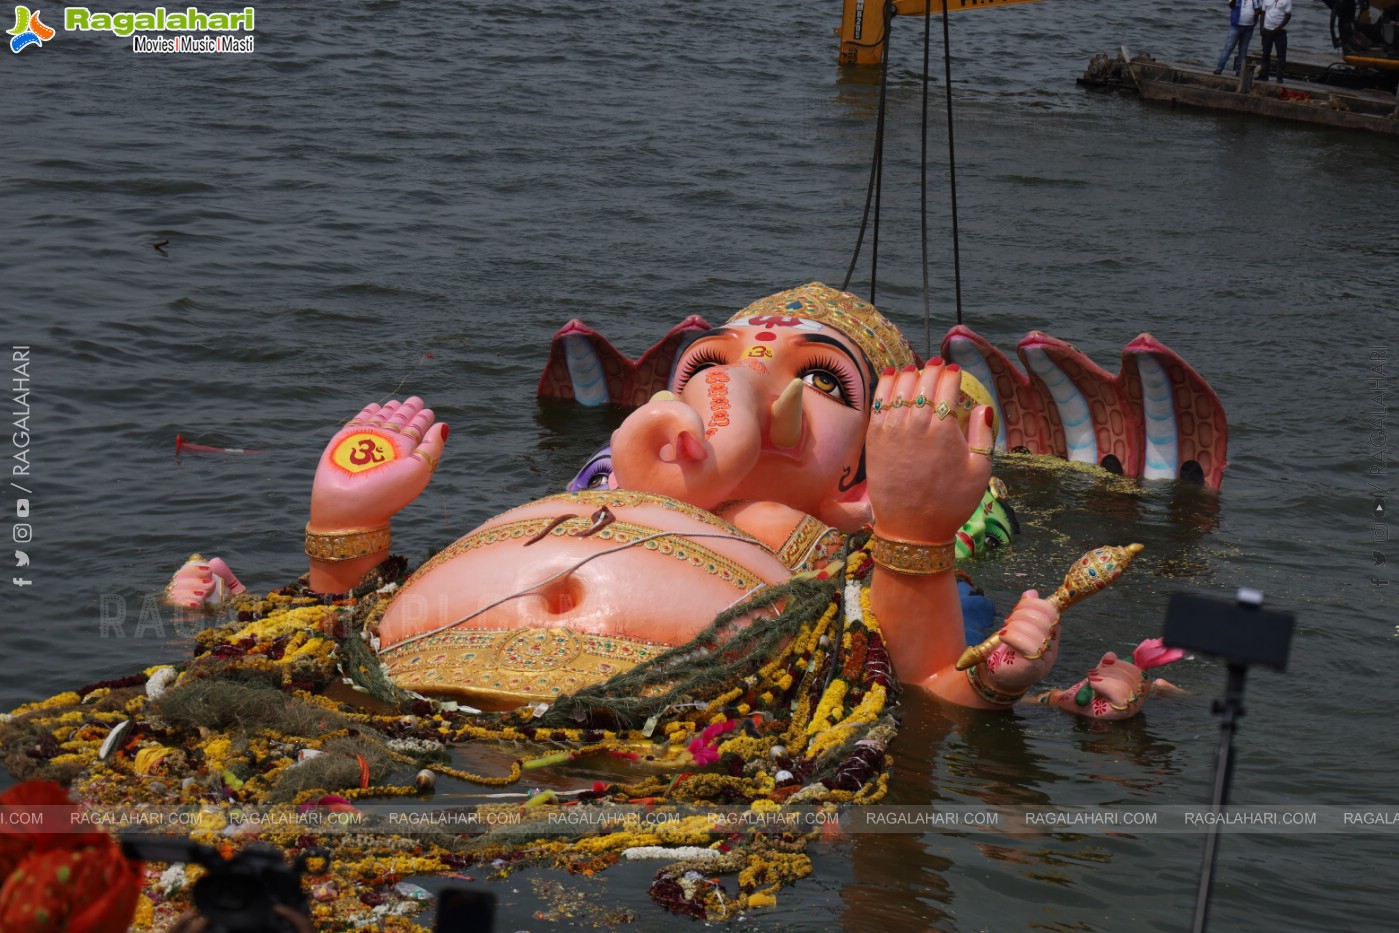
803, 419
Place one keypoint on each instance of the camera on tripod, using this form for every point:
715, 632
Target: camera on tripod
238, 894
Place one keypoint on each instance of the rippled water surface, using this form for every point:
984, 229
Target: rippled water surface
404, 197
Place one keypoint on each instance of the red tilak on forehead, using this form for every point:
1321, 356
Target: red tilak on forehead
773, 320
765, 335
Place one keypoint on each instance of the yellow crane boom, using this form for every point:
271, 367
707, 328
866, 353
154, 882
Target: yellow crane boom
862, 23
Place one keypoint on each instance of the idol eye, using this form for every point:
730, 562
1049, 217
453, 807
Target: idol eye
596, 473
822, 381
701, 359
828, 378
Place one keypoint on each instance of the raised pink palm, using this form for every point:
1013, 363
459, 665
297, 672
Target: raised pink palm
375, 465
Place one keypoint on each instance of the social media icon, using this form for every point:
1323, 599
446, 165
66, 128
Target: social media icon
21, 508
20, 581
23, 533
21, 559
1379, 558
1378, 507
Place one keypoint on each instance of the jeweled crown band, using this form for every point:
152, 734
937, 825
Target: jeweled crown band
912, 558
347, 545
875, 335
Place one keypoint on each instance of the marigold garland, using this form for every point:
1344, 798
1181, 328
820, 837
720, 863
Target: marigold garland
806, 722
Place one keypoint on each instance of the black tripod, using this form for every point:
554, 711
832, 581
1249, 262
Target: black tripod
1242, 634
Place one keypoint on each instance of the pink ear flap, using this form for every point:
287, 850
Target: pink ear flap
851, 512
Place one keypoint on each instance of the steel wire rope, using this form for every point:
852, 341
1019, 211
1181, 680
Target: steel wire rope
876, 166
951, 157
874, 188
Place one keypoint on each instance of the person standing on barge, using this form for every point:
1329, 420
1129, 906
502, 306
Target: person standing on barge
1276, 15
1243, 14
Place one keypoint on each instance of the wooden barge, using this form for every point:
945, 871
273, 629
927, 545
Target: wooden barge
1307, 97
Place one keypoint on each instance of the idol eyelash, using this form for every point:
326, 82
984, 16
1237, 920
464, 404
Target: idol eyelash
692, 365
833, 366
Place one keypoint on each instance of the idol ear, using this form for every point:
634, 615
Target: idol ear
850, 512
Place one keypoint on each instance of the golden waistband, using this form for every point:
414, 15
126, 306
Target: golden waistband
513, 666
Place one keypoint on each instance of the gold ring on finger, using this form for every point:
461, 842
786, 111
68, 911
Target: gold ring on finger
1048, 639
942, 410
984, 451
427, 458
898, 401
921, 400
414, 433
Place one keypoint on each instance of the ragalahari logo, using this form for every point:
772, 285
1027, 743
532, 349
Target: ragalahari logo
29, 30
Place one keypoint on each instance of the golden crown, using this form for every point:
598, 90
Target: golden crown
857, 319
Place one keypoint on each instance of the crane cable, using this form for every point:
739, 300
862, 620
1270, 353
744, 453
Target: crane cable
876, 165
873, 190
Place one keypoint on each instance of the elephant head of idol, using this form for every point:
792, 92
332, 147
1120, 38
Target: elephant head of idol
772, 406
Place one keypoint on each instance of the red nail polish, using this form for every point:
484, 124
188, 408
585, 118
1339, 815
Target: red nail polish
990, 416
888, 371
953, 368
910, 368
935, 361
445, 430
1109, 660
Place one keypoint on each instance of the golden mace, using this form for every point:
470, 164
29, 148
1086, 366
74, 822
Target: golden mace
1091, 573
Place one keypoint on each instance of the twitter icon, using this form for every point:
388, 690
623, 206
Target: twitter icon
21, 559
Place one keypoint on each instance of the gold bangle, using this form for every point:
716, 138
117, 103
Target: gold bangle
911, 557
987, 693
346, 545
1140, 693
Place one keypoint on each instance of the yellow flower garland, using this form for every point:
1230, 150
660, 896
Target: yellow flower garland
796, 703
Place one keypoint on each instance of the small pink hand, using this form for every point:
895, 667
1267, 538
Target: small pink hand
1028, 648
202, 583
1115, 689
375, 465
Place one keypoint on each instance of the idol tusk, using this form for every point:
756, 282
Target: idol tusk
786, 427
664, 395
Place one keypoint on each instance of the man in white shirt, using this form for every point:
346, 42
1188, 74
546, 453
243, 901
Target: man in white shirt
1276, 15
1242, 16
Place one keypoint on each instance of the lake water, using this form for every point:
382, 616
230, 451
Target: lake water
410, 198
